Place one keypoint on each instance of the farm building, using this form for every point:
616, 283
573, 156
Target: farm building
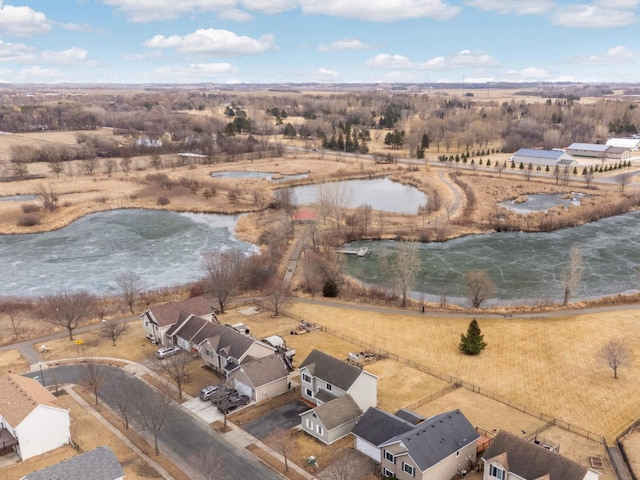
618, 153
632, 144
541, 158
589, 150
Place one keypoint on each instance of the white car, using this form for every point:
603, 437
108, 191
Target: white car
164, 352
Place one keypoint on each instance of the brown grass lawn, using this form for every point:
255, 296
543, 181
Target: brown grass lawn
631, 445
544, 364
12, 361
89, 434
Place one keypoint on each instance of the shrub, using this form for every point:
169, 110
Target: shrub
30, 208
28, 220
163, 201
330, 289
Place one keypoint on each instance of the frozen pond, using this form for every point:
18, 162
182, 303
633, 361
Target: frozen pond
380, 193
525, 267
19, 198
164, 248
538, 202
263, 175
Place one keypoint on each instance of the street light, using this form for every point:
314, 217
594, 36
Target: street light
41, 374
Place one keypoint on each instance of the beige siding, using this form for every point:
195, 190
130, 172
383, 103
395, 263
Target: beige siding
365, 391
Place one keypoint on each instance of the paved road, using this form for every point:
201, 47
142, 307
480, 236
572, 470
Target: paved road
182, 435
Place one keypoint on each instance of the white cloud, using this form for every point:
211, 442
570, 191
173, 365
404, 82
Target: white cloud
529, 74
194, 73
20, 53
325, 72
220, 43
141, 11
464, 58
614, 56
617, 3
74, 27
593, 16
380, 10
344, 44
22, 21
235, 15
73, 55
269, 6
515, 7
38, 74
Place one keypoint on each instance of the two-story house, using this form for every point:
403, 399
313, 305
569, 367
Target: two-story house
157, 320
339, 392
513, 458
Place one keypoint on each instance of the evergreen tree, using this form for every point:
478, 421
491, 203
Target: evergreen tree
425, 141
521, 166
473, 342
546, 169
330, 288
575, 170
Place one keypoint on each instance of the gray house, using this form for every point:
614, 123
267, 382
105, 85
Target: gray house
97, 464
376, 427
437, 449
332, 420
158, 319
510, 457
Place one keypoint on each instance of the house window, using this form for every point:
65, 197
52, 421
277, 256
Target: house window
309, 393
389, 457
496, 472
458, 453
306, 378
309, 424
319, 429
388, 473
329, 386
408, 469
208, 352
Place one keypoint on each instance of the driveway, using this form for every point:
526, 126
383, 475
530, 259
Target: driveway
282, 418
206, 411
182, 435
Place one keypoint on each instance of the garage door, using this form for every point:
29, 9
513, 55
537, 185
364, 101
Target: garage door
244, 389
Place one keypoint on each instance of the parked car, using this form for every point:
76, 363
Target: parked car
164, 352
232, 402
206, 392
220, 394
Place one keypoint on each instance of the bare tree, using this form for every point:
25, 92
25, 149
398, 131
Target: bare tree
125, 165
208, 463
615, 354
92, 379
224, 271
285, 199
284, 441
588, 178
499, 167
130, 285
572, 274
14, 309
479, 286
177, 367
277, 295
122, 387
345, 468
48, 197
623, 179
152, 410
68, 309
109, 165
56, 167
113, 330
403, 267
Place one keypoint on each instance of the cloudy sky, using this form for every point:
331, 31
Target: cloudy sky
275, 41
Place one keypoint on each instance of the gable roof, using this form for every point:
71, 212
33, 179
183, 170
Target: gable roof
532, 152
167, 314
97, 464
331, 370
377, 426
410, 416
228, 342
590, 147
19, 396
192, 328
529, 460
437, 438
337, 412
265, 370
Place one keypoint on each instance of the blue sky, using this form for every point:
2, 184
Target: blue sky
334, 41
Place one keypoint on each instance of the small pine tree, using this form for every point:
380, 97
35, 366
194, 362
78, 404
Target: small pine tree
513, 164
575, 170
488, 162
479, 161
473, 342
330, 289
521, 166
584, 171
546, 169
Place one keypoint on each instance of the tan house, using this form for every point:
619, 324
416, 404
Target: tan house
262, 378
437, 449
158, 319
513, 458
31, 422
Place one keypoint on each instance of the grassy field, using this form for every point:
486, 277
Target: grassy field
545, 364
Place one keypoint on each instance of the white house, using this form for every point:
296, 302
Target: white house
510, 457
157, 320
437, 449
30, 419
97, 464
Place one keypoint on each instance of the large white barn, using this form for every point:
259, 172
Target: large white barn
541, 158
632, 144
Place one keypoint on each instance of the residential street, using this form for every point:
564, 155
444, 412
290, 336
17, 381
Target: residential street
182, 435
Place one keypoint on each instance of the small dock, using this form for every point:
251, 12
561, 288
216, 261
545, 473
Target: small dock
360, 252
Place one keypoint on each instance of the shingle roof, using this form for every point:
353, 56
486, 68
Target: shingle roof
228, 342
193, 329
331, 370
265, 370
97, 464
376, 426
167, 314
410, 416
338, 412
437, 438
529, 460
19, 396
